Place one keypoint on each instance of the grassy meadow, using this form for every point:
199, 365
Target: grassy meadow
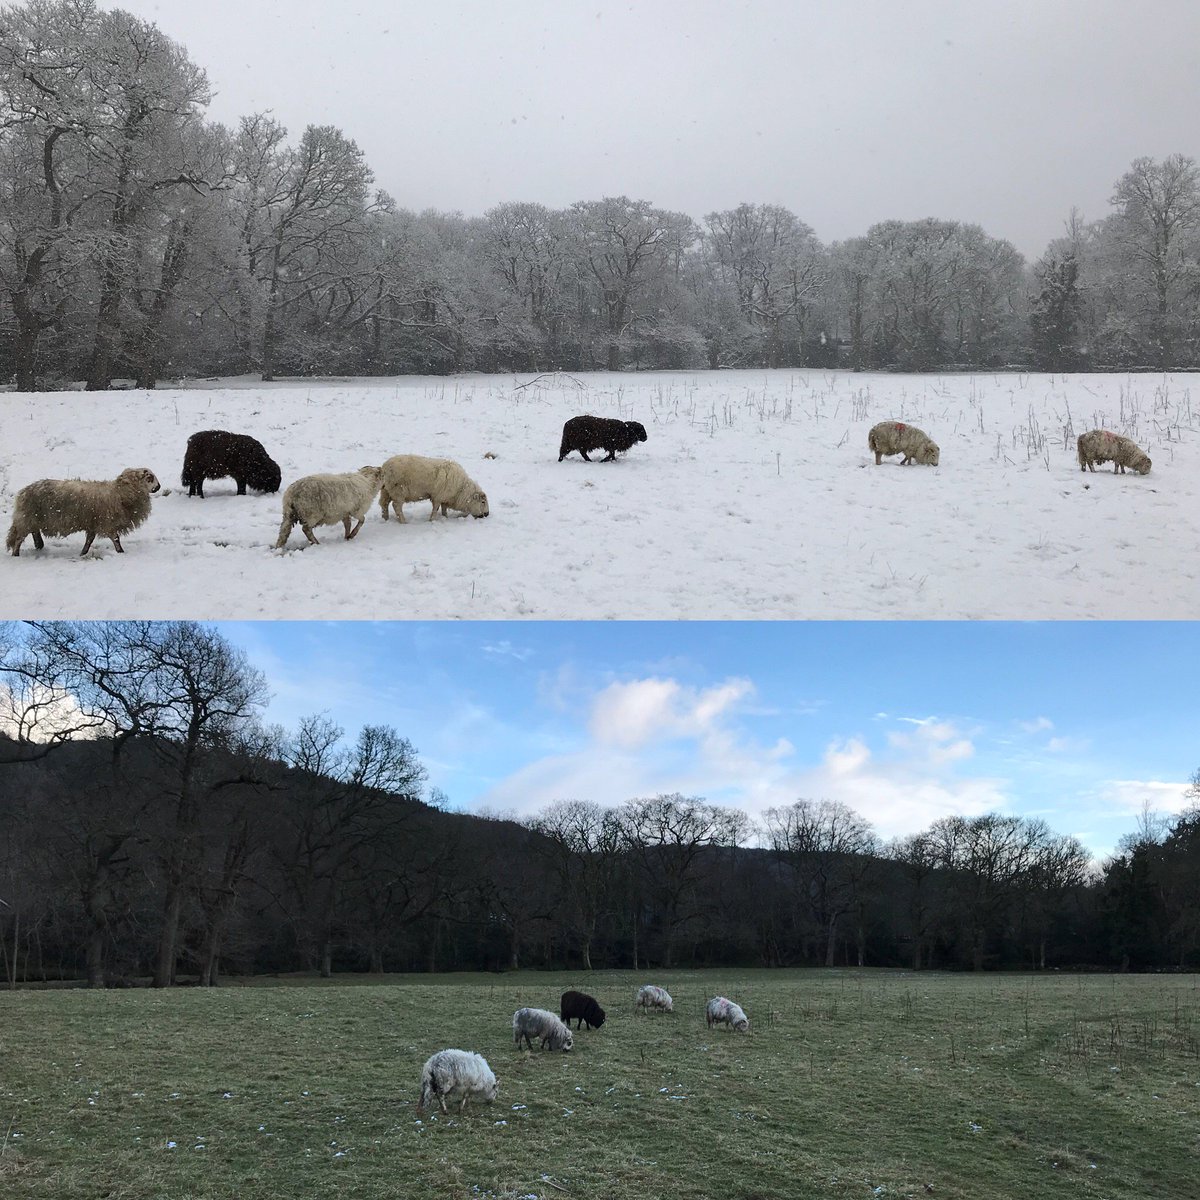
849, 1083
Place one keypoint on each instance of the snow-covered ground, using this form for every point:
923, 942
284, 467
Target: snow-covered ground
754, 497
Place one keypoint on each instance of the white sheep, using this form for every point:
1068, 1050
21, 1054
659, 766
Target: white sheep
895, 437
1100, 446
530, 1023
95, 507
409, 477
326, 500
650, 996
457, 1072
720, 1011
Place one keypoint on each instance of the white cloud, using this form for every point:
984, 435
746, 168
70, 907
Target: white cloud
655, 735
1037, 725
43, 714
1129, 795
505, 649
647, 710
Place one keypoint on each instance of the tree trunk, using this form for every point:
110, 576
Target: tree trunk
831, 942
268, 345
168, 940
149, 364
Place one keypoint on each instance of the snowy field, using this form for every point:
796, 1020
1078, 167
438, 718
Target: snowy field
754, 497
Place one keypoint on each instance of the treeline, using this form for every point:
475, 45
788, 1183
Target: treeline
152, 828
139, 240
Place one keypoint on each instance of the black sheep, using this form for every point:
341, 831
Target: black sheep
581, 1007
599, 433
215, 453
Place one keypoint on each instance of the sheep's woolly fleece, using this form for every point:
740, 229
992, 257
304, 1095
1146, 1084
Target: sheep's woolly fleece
751, 499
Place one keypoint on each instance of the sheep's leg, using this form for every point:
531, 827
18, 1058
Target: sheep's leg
241, 486
462, 1108
609, 456
878, 457
433, 510
585, 456
87, 544
117, 542
384, 498
308, 533
38, 543
356, 528
442, 1102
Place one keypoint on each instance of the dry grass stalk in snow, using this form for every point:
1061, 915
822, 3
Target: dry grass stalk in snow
441, 481
530, 1023
720, 1011
650, 995
326, 500
95, 507
1100, 446
895, 437
457, 1073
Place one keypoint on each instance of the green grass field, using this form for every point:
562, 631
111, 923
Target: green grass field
864, 1083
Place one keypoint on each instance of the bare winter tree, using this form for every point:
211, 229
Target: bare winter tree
830, 849
582, 840
1157, 227
670, 837
183, 691
342, 800
776, 268
301, 214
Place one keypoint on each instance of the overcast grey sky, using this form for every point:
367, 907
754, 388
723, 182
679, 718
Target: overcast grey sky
1005, 113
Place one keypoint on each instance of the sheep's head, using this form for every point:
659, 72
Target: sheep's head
477, 504
931, 454
569, 1042
266, 478
142, 477
492, 1092
637, 429
1141, 464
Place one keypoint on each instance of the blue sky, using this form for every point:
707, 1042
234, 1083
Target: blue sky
1079, 724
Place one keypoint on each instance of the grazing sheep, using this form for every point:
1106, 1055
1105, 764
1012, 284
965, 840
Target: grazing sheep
409, 477
462, 1072
530, 1023
582, 1007
1100, 446
326, 500
96, 507
894, 437
720, 1011
215, 453
652, 996
599, 433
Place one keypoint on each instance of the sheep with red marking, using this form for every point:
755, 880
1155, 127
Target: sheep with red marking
896, 437
720, 1011
1100, 446
461, 1073
651, 996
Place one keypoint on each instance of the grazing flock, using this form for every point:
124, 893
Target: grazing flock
111, 507
465, 1075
